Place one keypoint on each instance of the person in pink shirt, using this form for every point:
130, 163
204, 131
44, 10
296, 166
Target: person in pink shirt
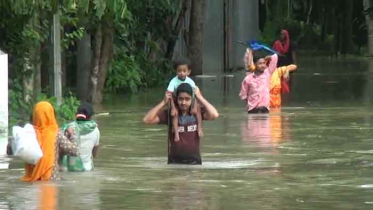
255, 86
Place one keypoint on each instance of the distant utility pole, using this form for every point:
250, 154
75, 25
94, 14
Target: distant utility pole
57, 84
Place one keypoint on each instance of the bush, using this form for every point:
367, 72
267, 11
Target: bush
307, 36
124, 73
135, 71
20, 111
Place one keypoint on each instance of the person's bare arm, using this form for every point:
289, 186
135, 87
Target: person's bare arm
248, 59
152, 116
286, 70
211, 113
291, 68
9, 150
95, 152
272, 63
244, 89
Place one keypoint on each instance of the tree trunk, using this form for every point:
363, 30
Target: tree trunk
37, 79
106, 56
84, 62
63, 61
96, 64
57, 85
369, 22
310, 5
324, 23
176, 29
335, 24
196, 36
27, 80
36, 60
31, 77
103, 53
346, 25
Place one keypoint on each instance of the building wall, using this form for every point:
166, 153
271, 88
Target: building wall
213, 55
244, 26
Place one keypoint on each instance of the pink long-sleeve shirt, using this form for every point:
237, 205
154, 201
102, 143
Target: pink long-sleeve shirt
255, 88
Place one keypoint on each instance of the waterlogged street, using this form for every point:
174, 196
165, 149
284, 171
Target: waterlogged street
315, 153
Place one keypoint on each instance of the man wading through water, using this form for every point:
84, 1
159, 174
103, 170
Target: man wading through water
187, 150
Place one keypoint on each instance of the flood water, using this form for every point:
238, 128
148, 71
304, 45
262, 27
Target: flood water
315, 153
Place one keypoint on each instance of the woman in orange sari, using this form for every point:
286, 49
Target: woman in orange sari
51, 141
276, 88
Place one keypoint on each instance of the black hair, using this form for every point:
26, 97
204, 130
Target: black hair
184, 88
181, 62
260, 54
85, 109
256, 58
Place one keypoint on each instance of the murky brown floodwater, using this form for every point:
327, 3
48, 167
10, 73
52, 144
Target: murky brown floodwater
316, 153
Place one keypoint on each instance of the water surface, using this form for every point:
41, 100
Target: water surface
315, 153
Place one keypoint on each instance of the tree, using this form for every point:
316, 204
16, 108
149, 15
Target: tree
103, 16
196, 35
102, 55
26, 43
177, 29
348, 33
369, 22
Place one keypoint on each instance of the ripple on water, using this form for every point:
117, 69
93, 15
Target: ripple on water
211, 165
367, 186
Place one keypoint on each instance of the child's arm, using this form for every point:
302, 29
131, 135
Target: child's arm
174, 111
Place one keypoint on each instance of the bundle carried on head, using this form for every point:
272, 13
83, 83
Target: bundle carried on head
256, 46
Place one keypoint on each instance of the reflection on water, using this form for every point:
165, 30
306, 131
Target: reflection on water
266, 130
314, 153
48, 197
4, 164
39, 196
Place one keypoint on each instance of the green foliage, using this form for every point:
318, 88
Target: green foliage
313, 24
142, 32
139, 58
130, 73
64, 112
124, 73
154, 72
20, 111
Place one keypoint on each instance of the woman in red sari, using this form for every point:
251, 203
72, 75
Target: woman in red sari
287, 49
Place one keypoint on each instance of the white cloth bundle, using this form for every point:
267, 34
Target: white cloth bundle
25, 145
